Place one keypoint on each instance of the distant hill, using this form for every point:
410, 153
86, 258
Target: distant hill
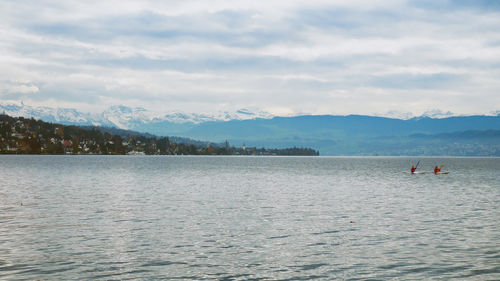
330, 134
338, 127
361, 135
462, 136
20, 135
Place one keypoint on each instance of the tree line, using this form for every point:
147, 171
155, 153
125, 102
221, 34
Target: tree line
20, 135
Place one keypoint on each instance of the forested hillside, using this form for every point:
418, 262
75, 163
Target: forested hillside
30, 136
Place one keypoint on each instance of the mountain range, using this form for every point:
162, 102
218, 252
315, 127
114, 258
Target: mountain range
122, 117
330, 134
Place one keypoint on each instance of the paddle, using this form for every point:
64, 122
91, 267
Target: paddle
414, 168
439, 169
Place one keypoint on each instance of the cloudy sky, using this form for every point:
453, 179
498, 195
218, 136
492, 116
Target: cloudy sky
284, 56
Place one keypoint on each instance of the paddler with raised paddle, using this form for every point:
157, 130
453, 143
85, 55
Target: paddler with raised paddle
437, 170
414, 168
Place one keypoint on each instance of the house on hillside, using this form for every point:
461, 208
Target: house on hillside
68, 146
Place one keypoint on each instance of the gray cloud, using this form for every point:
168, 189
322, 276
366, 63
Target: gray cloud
319, 56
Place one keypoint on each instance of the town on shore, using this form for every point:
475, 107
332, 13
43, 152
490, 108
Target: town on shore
20, 135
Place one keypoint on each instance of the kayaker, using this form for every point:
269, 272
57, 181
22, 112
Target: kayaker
436, 170
413, 168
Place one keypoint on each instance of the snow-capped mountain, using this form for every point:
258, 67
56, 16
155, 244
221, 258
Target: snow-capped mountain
196, 118
396, 114
433, 113
169, 123
436, 113
123, 117
49, 114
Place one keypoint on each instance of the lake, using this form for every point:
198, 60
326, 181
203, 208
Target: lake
248, 218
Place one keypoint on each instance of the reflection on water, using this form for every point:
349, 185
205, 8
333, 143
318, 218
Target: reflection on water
239, 218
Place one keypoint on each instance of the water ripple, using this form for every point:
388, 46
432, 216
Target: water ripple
247, 218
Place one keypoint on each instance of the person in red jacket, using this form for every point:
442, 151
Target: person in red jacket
436, 170
413, 168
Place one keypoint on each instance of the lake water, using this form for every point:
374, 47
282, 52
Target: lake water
248, 218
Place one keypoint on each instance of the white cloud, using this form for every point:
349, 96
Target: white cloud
24, 89
20, 88
324, 57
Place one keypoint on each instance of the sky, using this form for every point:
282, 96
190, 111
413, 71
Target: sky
286, 57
